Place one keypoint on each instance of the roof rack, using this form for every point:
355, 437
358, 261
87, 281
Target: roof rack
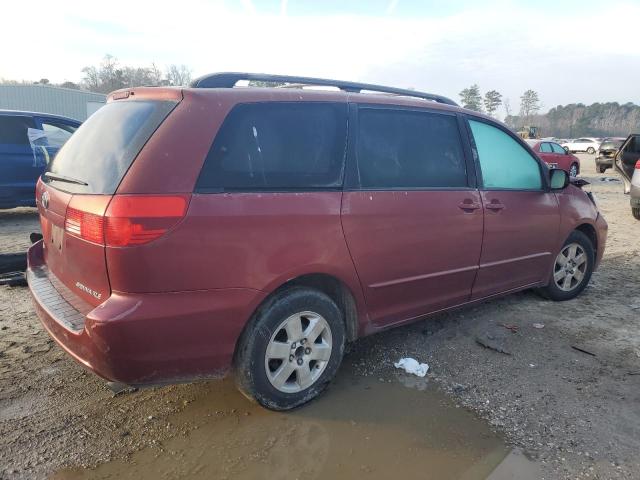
229, 80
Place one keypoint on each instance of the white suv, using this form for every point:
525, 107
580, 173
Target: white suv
585, 144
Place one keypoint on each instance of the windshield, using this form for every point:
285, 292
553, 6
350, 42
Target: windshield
99, 153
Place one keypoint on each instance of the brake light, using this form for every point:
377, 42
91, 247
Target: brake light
136, 219
85, 217
638, 164
123, 220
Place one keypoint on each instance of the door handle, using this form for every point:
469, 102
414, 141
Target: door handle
469, 205
495, 205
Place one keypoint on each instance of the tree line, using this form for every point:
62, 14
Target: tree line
110, 75
578, 120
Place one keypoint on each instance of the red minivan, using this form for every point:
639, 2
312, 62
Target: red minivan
190, 231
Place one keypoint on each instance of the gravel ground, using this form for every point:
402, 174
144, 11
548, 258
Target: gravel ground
575, 413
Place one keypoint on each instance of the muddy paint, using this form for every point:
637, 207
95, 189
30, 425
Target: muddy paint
410, 430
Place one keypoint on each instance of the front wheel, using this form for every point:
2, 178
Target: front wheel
572, 268
291, 350
591, 150
573, 170
635, 211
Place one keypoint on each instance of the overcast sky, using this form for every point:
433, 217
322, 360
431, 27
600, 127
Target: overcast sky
569, 50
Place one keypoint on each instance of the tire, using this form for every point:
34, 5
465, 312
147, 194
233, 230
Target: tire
291, 372
591, 150
635, 211
554, 290
573, 170
602, 168
566, 149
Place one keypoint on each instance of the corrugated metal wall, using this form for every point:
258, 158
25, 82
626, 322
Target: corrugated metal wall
48, 99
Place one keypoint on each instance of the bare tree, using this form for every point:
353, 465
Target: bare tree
492, 100
178, 75
529, 104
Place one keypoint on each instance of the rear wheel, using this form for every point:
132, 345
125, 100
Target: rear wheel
291, 350
572, 268
591, 150
636, 212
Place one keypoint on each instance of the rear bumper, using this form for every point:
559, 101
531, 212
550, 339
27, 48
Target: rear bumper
604, 161
144, 338
601, 230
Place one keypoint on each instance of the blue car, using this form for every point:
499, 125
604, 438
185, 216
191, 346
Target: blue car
28, 141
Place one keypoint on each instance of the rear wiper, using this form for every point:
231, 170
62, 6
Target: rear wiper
63, 178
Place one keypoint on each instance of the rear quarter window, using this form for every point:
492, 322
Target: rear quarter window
277, 146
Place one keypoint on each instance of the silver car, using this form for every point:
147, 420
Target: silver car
627, 163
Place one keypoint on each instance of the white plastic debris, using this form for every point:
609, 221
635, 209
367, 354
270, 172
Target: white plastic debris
412, 366
538, 325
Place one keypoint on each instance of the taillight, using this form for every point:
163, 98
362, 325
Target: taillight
124, 220
85, 217
638, 164
139, 219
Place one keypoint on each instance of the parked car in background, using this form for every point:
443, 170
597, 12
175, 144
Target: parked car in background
28, 142
555, 156
607, 152
627, 163
190, 231
584, 144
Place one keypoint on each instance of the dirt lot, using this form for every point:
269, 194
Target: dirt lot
574, 414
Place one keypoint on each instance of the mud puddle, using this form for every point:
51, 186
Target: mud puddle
362, 427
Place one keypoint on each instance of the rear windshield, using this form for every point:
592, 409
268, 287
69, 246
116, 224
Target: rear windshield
611, 144
99, 153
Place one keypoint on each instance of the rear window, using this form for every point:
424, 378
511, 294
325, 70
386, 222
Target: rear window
99, 153
13, 130
277, 147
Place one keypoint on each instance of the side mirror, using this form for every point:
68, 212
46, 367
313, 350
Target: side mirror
559, 179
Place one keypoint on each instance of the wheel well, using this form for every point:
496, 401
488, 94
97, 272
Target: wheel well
336, 290
590, 232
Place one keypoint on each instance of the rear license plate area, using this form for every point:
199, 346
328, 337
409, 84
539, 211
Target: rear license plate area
57, 236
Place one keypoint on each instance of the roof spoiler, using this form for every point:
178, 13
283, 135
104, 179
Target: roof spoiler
229, 80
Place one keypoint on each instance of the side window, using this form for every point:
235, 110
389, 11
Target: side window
277, 146
13, 130
504, 163
57, 133
406, 149
545, 148
557, 148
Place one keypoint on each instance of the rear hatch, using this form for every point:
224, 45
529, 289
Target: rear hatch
77, 188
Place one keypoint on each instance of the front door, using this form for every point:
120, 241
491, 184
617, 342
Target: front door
411, 216
521, 217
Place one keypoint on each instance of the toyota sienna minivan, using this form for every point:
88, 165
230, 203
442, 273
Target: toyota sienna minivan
188, 232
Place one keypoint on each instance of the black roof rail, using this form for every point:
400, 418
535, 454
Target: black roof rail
229, 80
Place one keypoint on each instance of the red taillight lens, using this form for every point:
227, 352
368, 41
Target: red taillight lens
129, 219
85, 217
85, 225
137, 219
638, 164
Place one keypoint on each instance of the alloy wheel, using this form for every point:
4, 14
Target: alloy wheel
570, 267
298, 352
573, 171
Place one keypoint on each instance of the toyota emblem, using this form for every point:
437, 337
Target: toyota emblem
45, 199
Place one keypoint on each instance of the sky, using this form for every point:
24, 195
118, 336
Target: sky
569, 51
